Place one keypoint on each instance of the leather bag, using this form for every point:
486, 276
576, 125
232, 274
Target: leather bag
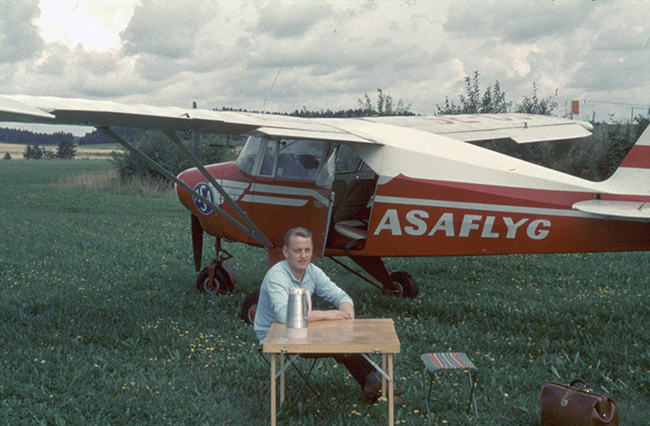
568, 405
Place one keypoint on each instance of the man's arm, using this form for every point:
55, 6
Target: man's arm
345, 311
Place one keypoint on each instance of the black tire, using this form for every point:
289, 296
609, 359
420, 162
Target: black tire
406, 284
222, 282
249, 307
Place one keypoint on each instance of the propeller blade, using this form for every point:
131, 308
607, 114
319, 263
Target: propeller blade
197, 242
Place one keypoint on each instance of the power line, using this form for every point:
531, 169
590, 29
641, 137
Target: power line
618, 103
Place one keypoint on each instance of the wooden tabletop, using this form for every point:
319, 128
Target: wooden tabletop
341, 336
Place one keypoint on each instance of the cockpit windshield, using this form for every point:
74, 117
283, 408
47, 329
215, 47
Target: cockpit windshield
299, 159
248, 155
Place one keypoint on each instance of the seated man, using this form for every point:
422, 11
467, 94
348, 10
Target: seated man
297, 271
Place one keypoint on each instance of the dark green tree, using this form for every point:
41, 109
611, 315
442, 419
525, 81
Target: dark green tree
159, 148
33, 152
641, 124
385, 106
66, 150
534, 105
493, 100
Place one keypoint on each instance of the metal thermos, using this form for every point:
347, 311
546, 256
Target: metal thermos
297, 312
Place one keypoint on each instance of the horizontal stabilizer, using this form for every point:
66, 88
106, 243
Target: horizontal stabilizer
617, 209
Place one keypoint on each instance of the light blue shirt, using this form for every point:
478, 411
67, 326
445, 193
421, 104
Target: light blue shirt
274, 294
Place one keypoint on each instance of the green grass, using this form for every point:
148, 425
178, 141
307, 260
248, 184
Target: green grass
102, 323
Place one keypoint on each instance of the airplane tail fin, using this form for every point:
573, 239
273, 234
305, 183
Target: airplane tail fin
633, 175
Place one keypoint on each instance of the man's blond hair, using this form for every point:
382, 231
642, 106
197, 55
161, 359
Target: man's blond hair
296, 232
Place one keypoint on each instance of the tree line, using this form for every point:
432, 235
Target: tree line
27, 137
65, 150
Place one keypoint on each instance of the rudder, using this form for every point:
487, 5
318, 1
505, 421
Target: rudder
633, 175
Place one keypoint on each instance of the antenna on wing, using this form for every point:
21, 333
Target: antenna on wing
195, 137
271, 88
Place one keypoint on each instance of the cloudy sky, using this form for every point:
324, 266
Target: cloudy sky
282, 55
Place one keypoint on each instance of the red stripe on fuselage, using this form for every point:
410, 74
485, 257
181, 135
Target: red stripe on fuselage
638, 158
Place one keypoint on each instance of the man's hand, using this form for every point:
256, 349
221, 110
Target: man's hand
345, 311
338, 314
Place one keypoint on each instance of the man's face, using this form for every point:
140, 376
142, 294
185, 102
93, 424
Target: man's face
298, 254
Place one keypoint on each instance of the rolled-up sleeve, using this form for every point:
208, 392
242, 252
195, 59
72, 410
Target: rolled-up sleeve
327, 290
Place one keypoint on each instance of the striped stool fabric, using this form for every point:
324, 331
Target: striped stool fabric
438, 361
447, 361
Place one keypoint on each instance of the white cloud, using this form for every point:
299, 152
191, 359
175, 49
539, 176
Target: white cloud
324, 54
166, 29
94, 24
293, 20
19, 38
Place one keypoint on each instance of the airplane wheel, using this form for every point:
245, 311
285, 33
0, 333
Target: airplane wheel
406, 284
249, 308
222, 281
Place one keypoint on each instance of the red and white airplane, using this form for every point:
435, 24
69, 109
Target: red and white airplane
382, 186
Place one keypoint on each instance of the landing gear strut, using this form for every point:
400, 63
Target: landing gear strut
218, 277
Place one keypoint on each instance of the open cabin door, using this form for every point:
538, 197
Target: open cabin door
292, 186
354, 186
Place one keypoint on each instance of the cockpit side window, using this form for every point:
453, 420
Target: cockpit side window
300, 159
325, 176
347, 160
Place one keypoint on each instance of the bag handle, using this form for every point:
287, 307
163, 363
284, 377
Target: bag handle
584, 383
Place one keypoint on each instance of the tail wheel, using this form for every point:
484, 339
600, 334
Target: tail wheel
405, 283
249, 308
222, 281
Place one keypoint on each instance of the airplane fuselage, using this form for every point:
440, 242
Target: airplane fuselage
515, 207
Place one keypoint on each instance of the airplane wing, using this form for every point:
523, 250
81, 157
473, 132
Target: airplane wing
522, 128
634, 210
106, 114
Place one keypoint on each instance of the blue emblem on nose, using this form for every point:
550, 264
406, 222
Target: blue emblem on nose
206, 192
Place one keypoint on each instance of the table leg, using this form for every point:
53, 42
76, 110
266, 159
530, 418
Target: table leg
391, 388
273, 413
282, 379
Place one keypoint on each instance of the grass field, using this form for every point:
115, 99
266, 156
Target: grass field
102, 323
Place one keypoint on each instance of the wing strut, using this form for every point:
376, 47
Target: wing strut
252, 231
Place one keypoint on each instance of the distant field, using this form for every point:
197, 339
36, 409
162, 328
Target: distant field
84, 152
102, 323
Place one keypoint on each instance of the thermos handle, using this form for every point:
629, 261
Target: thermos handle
306, 307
